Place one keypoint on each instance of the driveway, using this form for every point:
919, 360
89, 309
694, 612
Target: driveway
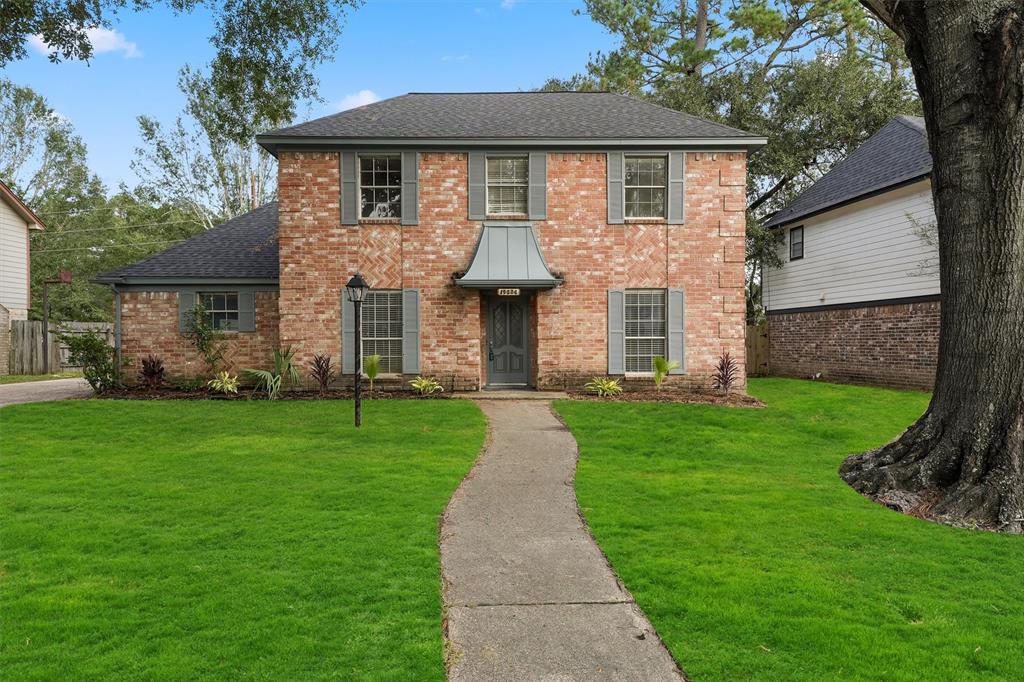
40, 391
528, 594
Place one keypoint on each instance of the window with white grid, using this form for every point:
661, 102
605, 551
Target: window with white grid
645, 328
380, 186
507, 184
221, 310
646, 183
382, 329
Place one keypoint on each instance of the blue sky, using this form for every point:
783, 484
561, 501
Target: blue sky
387, 48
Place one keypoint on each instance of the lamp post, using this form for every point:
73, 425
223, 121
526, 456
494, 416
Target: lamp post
356, 291
63, 278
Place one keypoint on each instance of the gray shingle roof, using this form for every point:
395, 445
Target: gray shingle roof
509, 115
243, 247
895, 154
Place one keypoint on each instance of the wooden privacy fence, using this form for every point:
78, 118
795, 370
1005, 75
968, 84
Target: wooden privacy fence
26, 353
757, 350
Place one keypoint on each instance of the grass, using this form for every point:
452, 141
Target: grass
212, 540
754, 560
22, 378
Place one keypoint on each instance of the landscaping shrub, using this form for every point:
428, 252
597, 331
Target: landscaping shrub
224, 383
371, 368
661, 368
284, 374
152, 372
91, 352
426, 385
207, 341
604, 387
725, 374
322, 371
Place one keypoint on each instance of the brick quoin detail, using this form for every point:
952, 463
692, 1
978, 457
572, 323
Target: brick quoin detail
569, 326
885, 345
149, 324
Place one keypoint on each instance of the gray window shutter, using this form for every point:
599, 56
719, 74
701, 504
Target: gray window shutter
246, 311
477, 185
616, 331
410, 331
538, 179
410, 188
348, 335
676, 329
616, 170
186, 301
676, 175
349, 189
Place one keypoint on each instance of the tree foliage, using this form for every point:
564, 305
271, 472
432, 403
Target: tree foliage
266, 52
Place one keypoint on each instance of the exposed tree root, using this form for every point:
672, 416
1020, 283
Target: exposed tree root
961, 477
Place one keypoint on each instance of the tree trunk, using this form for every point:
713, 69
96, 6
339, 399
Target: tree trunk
963, 461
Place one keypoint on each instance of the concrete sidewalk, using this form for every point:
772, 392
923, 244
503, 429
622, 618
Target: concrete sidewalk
41, 391
528, 594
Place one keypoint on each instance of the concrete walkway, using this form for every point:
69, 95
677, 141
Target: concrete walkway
40, 391
528, 594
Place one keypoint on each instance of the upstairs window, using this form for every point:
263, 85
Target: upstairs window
796, 243
645, 328
382, 329
221, 310
380, 186
646, 184
507, 183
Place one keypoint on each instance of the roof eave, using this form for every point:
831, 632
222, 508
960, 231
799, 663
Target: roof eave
183, 280
272, 143
772, 224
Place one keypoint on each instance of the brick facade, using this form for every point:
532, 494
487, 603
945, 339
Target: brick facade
149, 324
886, 345
569, 327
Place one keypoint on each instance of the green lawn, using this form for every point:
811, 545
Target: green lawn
22, 378
755, 561
244, 540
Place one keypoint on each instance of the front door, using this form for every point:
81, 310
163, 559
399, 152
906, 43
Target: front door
507, 335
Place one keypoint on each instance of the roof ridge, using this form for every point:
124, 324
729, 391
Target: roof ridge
684, 113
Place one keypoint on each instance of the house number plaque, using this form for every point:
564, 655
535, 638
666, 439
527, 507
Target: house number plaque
508, 292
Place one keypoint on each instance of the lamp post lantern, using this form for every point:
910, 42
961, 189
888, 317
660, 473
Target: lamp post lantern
356, 291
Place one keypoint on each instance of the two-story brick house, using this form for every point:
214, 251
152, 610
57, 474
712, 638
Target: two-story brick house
522, 238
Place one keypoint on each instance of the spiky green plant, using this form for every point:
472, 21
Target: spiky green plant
426, 385
662, 368
224, 382
371, 368
603, 387
266, 381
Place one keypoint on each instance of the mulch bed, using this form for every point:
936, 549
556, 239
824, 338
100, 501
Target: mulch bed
669, 395
172, 393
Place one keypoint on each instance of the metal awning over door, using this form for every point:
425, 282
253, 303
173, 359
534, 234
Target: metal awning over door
508, 256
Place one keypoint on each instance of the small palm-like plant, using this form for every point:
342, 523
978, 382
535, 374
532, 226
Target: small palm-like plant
152, 371
322, 371
371, 368
426, 385
662, 367
224, 383
604, 387
266, 381
725, 374
284, 368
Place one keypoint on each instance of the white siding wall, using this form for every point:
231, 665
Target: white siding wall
865, 251
13, 262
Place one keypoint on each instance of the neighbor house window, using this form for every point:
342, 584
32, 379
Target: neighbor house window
645, 328
382, 329
796, 243
221, 309
380, 186
507, 181
646, 183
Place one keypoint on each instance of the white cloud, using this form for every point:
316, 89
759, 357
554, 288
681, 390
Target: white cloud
455, 58
509, 4
356, 99
102, 39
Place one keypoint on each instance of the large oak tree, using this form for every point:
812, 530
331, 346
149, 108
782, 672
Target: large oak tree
963, 461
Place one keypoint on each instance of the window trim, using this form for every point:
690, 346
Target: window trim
635, 155
359, 185
791, 231
487, 187
400, 338
209, 311
625, 333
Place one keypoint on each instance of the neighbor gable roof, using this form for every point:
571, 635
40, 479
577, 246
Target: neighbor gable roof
20, 207
244, 247
896, 154
506, 118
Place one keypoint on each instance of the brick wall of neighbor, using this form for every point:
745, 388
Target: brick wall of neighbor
704, 257
149, 324
886, 345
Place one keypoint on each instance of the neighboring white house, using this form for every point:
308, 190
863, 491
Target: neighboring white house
857, 296
16, 221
